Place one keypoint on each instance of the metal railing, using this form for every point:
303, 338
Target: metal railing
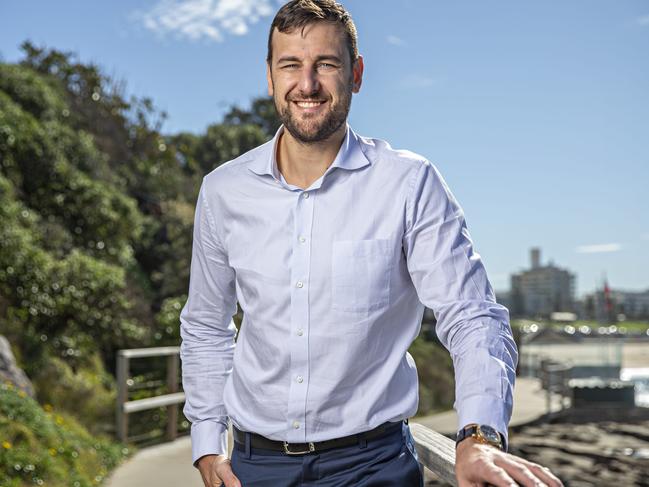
436, 452
171, 400
555, 379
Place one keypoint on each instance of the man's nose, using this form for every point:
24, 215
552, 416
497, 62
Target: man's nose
309, 81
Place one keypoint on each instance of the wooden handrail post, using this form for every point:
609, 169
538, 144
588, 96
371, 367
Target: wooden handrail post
435, 451
122, 396
172, 386
169, 400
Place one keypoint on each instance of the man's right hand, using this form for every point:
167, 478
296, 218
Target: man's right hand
216, 471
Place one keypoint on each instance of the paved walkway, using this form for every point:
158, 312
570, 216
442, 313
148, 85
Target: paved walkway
529, 404
169, 465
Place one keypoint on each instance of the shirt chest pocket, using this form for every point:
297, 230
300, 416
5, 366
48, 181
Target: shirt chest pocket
360, 275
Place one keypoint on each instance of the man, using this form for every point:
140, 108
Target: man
332, 244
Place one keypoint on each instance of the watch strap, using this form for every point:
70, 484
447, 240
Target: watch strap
471, 429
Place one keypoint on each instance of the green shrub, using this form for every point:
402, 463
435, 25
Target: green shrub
42, 447
88, 393
72, 306
167, 320
436, 377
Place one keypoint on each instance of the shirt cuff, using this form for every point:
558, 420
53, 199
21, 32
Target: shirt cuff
208, 438
485, 409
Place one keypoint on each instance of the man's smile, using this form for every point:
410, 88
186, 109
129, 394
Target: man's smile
310, 105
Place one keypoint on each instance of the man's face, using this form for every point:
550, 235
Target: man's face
311, 79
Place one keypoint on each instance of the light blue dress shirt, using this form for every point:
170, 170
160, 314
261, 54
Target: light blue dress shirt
333, 281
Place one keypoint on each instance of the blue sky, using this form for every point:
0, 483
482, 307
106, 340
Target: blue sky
536, 113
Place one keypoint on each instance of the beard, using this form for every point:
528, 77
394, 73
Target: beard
311, 128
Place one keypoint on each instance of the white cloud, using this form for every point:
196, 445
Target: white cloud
203, 19
395, 41
599, 248
644, 20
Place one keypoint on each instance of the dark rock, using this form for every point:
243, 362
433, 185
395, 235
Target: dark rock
590, 449
586, 448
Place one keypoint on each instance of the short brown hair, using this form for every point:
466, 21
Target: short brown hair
300, 13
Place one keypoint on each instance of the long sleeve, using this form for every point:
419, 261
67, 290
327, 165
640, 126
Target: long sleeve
208, 335
449, 278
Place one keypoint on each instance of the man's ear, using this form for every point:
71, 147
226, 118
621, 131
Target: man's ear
269, 79
357, 72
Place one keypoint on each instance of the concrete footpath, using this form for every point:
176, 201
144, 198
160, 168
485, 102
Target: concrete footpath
529, 404
169, 465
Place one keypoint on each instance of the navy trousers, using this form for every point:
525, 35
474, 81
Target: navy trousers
389, 461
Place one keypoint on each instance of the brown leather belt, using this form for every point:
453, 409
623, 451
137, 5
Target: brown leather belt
258, 441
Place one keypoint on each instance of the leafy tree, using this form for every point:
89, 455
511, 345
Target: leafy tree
262, 113
185, 145
33, 92
224, 142
99, 217
69, 307
126, 131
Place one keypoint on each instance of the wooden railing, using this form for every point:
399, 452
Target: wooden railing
436, 452
171, 400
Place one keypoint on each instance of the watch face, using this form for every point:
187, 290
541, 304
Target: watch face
490, 434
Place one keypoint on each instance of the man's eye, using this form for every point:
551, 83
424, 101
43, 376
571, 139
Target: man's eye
289, 66
326, 66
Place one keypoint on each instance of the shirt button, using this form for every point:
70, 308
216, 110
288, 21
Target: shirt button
296, 424
299, 284
302, 239
300, 332
305, 195
300, 379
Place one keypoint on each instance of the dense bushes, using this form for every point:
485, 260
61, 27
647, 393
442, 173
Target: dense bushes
40, 446
67, 305
435, 372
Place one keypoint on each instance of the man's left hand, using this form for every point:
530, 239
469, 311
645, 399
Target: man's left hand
478, 464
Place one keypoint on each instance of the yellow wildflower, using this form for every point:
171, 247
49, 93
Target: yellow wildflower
48, 407
6, 445
53, 452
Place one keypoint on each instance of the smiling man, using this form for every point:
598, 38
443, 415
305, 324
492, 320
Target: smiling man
333, 244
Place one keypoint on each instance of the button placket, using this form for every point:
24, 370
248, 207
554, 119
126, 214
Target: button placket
299, 351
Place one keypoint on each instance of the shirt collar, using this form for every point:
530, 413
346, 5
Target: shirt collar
350, 156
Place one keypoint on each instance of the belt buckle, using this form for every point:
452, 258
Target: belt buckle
289, 452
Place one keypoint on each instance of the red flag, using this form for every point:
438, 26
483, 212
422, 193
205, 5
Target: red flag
607, 297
